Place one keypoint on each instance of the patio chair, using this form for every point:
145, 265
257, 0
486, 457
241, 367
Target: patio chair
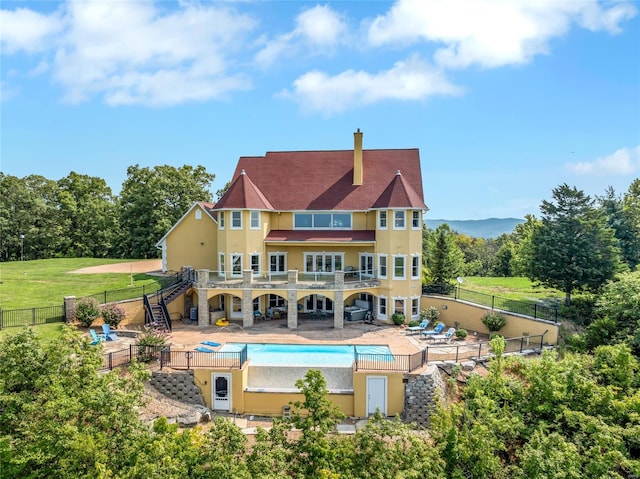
210, 343
421, 327
108, 334
446, 337
437, 330
257, 314
95, 337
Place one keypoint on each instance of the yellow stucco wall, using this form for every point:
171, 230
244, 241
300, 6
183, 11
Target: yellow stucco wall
192, 242
395, 392
470, 316
134, 314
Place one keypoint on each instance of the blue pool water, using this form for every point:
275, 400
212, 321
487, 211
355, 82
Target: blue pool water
306, 354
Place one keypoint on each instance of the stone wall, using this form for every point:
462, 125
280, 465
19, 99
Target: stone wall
422, 393
179, 386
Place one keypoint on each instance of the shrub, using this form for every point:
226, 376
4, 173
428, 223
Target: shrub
431, 313
150, 342
87, 311
494, 321
112, 314
461, 333
397, 318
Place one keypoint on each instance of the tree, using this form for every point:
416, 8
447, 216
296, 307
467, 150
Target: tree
87, 215
573, 249
445, 260
522, 252
625, 227
153, 200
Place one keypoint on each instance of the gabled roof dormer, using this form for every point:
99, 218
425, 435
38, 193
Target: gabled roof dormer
243, 194
399, 194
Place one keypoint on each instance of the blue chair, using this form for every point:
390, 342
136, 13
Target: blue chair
210, 343
437, 330
95, 337
446, 337
202, 349
421, 327
108, 334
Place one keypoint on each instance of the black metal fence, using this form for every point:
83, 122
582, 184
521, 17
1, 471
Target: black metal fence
526, 308
31, 316
444, 352
123, 357
198, 359
123, 294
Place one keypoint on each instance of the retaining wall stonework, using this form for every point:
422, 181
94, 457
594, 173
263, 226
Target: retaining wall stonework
177, 385
421, 394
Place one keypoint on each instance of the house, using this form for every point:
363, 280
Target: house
323, 233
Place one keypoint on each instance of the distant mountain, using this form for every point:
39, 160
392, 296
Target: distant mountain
489, 228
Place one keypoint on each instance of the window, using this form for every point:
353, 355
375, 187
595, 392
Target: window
366, 264
415, 220
255, 263
236, 304
255, 220
323, 221
398, 267
256, 304
277, 262
398, 220
221, 305
236, 264
382, 265
198, 214
323, 262
236, 220
415, 266
382, 220
382, 307
221, 219
415, 307
221, 270
276, 301
399, 305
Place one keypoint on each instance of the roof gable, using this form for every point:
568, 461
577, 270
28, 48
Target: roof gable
203, 205
400, 194
243, 194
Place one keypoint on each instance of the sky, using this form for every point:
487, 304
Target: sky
505, 100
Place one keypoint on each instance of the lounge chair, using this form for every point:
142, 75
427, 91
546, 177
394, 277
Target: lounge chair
202, 349
421, 327
210, 343
437, 330
257, 314
95, 337
446, 337
108, 334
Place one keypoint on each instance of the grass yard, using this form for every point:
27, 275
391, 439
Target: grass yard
27, 284
46, 332
518, 288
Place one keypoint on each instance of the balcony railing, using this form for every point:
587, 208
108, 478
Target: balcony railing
269, 279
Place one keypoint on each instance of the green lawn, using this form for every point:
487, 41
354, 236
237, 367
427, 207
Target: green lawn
27, 284
517, 288
46, 332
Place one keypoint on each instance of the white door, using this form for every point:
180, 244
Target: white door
376, 394
221, 391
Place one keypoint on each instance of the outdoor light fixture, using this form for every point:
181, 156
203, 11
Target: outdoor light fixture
21, 247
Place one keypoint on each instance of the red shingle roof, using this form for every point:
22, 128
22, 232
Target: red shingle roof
320, 235
323, 181
399, 194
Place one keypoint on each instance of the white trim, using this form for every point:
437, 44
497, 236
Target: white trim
231, 270
418, 268
417, 314
251, 219
386, 219
404, 220
324, 254
259, 256
365, 271
385, 380
404, 304
323, 228
404, 266
228, 376
419, 227
277, 254
231, 225
222, 267
386, 266
222, 219
384, 315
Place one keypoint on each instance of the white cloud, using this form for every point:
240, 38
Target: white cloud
491, 33
25, 30
318, 30
625, 161
7, 91
412, 79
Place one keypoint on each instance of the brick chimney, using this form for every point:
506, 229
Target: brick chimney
357, 158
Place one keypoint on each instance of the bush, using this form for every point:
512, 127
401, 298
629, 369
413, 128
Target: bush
397, 318
112, 314
150, 342
494, 321
431, 313
461, 333
87, 311
582, 311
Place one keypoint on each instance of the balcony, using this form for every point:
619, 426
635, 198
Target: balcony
293, 279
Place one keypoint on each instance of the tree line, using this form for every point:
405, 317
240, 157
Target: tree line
558, 416
578, 244
79, 216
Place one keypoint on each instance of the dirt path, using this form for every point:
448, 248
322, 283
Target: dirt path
142, 266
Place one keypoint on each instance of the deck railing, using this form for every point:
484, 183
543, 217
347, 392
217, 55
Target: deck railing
197, 359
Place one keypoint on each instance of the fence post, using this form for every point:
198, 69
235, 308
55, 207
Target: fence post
493, 299
535, 310
33, 316
105, 297
521, 343
457, 351
0, 318
479, 350
110, 361
130, 352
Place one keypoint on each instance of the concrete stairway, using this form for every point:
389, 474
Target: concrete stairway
178, 386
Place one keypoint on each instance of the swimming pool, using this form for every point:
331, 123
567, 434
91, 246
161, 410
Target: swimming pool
306, 354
